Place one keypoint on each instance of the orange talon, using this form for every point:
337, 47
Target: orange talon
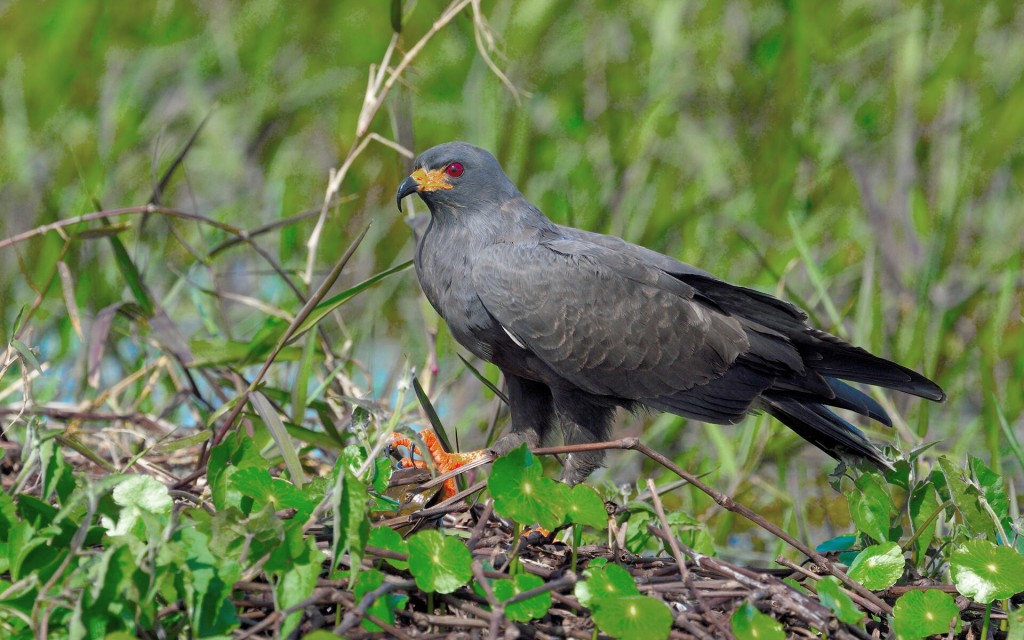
443, 460
535, 535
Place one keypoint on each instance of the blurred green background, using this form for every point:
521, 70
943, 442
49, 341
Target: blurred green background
862, 158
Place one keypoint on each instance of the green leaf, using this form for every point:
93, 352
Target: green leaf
27, 357
918, 614
1016, 620
327, 306
994, 490
280, 493
382, 470
297, 582
965, 500
350, 503
879, 566
209, 580
277, 429
131, 273
604, 583
521, 491
383, 607
750, 624
140, 496
923, 502
986, 572
585, 506
839, 543
388, 538
871, 506
529, 609
439, 563
237, 451
634, 617
838, 601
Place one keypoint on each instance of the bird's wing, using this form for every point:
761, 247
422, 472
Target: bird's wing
604, 320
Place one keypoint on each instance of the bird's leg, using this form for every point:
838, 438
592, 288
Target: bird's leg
444, 461
584, 419
532, 414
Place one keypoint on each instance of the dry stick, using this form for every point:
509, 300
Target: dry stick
497, 607
728, 504
376, 91
318, 596
787, 598
300, 317
478, 530
110, 213
786, 562
567, 580
702, 608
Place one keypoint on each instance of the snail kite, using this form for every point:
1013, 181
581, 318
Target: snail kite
582, 323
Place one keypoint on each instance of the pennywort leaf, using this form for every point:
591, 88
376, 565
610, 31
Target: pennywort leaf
985, 572
919, 614
750, 624
438, 562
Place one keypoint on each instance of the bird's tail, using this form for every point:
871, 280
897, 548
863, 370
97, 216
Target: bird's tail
830, 356
821, 427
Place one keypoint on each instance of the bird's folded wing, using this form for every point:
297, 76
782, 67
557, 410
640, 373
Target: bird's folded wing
605, 320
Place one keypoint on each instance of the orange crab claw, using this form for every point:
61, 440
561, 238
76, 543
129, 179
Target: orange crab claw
443, 460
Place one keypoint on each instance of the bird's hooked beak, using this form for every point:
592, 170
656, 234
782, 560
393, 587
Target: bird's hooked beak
422, 180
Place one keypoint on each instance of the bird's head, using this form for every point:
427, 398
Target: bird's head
457, 175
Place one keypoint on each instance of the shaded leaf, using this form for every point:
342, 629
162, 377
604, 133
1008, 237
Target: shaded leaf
750, 624
833, 597
528, 609
383, 607
388, 538
965, 501
839, 543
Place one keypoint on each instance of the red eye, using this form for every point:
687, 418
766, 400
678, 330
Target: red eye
454, 169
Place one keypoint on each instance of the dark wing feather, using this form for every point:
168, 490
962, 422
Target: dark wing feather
820, 351
608, 323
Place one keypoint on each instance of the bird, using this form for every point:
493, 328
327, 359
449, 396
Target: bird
581, 324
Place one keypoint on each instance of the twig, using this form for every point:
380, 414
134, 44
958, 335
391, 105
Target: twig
728, 504
681, 564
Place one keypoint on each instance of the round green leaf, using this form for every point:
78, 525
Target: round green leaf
439, 563
584, 506
388, 538
528, 609
521, 491
986, 572
750, 624
879, 566
628, 617
838, 601
604, 583
918, 614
